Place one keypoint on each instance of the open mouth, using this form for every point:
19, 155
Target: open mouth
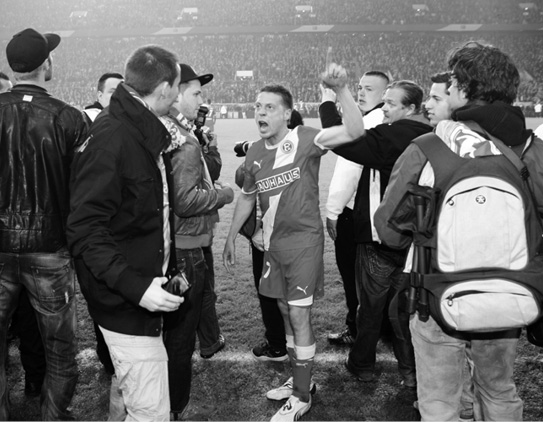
262, 124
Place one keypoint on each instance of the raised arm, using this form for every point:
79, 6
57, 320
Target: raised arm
352, 128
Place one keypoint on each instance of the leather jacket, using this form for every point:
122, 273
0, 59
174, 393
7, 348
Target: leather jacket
38, 136
196, 199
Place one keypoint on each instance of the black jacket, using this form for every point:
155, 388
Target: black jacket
115, 227
38, 136
378, 149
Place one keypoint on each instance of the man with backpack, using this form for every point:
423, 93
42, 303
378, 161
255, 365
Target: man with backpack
484, 85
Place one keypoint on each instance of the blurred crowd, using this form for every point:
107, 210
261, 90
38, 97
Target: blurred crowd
294, 60
73, 14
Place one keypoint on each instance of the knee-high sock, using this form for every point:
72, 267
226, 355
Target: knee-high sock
303, 364
290, 349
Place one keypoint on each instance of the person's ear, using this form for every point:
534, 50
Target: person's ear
412, 110
164, 86
288, 114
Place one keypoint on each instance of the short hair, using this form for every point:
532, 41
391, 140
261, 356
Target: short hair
149, 66
296, 119
4, 76
378, 74
442, 78
32, 75
105, 77
484, 72
413, 93
284, 93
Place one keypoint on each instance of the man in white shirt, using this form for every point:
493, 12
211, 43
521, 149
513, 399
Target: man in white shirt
342, 191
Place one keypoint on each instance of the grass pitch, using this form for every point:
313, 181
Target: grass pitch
232, 382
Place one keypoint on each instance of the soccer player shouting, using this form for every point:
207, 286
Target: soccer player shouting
283, 169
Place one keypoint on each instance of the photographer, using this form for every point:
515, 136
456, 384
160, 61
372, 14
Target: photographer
196, 202
274, 348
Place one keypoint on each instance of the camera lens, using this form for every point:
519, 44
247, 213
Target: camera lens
241, 148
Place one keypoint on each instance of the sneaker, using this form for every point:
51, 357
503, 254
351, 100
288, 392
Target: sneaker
222, 343
466, 415
341, 339
265, 353
285, 391
292, 410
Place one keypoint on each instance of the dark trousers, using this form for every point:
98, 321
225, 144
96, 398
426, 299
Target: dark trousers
345, 247
180, 328
379, 275
208, 330
102, 351
25, 326
49, 280
271, 315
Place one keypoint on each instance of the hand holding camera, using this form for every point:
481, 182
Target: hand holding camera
178, 284
204, 135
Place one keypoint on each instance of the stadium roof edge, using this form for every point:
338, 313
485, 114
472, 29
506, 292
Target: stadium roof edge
279, 29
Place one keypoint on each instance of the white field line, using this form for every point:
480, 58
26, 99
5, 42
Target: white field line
87, 356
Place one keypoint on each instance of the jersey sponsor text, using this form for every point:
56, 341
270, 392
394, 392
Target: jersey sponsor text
278, 180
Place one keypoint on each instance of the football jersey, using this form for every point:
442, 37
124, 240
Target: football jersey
286, 177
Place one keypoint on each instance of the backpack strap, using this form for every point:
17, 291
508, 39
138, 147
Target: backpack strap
444, 161
517, 162
504, 149
510, 155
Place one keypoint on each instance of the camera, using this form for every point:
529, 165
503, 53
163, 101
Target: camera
199, 123
240, 148
178, 284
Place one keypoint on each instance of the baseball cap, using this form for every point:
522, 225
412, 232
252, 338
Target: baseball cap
28, 49
188, 74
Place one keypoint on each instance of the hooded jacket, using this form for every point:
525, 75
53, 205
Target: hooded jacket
38, 137
115, 227
499, 119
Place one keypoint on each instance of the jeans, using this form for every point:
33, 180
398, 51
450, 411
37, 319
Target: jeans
379, 274
49, 280
139, 387
345, 247
440, 377
271, 315
208, 327
31, 350
180, 327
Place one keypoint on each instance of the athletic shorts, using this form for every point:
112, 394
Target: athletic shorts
295, 275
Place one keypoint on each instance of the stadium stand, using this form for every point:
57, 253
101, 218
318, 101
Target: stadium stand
407, 39
73, 14
293, 59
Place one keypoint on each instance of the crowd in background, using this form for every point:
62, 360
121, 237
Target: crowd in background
294, 60
167, 13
